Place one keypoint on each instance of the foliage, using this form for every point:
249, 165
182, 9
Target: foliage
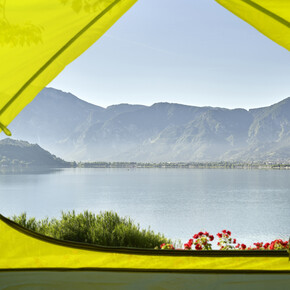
201, 241
226, 242
167, 246
106, 228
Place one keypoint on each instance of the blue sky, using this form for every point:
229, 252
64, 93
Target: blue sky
192, 52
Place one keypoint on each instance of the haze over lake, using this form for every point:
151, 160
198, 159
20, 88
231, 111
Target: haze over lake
253, 204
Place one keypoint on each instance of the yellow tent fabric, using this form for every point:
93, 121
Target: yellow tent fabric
24, 251
39, 38
270, 17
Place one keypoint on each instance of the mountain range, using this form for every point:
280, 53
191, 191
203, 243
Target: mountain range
76, 130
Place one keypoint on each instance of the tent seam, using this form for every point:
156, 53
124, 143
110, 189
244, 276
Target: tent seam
56, 55
5, 129
267, 12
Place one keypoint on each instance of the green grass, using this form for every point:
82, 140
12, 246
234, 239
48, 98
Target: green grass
105, 228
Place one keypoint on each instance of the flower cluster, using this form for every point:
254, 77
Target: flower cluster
167, 247
274, 245
201, 241
226, 242
277, 245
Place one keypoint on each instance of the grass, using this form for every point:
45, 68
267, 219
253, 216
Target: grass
105, 228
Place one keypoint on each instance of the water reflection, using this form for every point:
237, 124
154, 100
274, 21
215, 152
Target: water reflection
28, 170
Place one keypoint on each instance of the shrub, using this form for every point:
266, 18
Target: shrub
106, 229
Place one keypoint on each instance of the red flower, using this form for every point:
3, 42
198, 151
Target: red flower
266, 245
220, 235
224, 231
234, 241
229, 233
200, 233
195, 236
206, 234
258, 245
198, 247
190, 242
243, 246
211, 237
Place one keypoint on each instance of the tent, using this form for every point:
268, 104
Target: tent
29, 260
37, 40
271, 17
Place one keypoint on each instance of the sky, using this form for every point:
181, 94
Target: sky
192, 52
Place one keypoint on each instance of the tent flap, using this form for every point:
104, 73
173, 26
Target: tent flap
270, 17
39, 38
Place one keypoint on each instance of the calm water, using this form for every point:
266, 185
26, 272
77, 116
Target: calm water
253, 204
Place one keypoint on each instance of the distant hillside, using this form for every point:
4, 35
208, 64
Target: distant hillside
15, 153
77, 130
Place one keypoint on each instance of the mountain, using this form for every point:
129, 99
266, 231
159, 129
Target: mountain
77, 130
22, 154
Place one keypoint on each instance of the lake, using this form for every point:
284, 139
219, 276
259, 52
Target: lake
253, 204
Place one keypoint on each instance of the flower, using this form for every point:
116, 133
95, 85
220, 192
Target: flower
258, 246
202, 241
167, 247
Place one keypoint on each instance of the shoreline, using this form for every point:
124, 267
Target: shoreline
161, 165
